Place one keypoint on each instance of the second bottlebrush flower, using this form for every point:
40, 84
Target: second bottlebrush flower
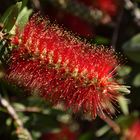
59, 67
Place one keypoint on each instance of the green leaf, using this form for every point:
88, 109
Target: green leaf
102, 131
22, 19
132, 48
10, 16
123, 104
19, 106
136, 81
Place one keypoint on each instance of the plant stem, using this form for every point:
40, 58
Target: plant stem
21, 131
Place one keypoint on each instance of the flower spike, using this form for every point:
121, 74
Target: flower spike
59, 67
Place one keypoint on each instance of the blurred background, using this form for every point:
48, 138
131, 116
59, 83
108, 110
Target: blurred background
113, 23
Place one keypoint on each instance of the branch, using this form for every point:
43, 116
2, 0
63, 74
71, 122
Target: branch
22, 133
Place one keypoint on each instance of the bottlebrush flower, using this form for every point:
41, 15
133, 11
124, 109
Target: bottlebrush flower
59, 67
133, 133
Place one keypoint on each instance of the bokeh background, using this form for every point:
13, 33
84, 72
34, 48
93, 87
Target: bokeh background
113, 23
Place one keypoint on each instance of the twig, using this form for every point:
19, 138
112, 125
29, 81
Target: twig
11, 111
21, 131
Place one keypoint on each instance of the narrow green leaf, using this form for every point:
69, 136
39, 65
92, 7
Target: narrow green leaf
10, 16
19, 106
22, 19
123, 102
102, 131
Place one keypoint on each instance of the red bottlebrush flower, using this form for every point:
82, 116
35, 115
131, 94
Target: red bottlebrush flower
133, 133
59, 67
64, 134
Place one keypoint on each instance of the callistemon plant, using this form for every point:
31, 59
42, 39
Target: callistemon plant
52, 63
